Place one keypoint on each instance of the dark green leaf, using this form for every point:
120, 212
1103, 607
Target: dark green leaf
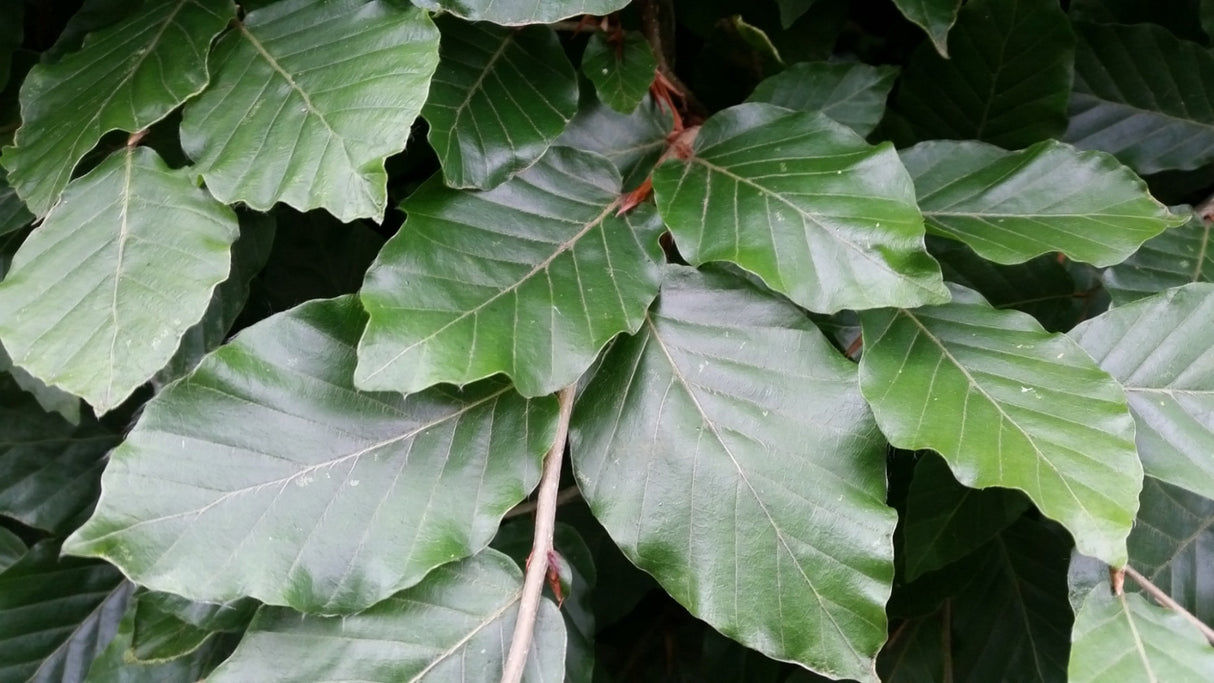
916, 651
852, 93
1010, 405
306, 115
1172, 544
1181, 17
226, 616
791, 10
13, 214
314, 495
632, 142
805, 204
728, 452
530, 279
12, 549
516, 12
116, 665
1176, 257
935, 17
498, 100
621, 69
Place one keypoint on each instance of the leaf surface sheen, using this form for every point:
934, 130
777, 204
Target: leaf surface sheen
1177, 257
307, 101
805, 204
727, 450
621, 72
519, 12
1008, 404
315, 495
935, 17
632, 142
98, 297
529, 279
852, 93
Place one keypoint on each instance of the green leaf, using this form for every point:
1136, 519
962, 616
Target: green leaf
498, 100
726, 449
115, 665
935, 17
632, 143
1008, 404
51, 399
517, 12
1172, 544
1159, 349
305, 115
126, 77
530, 279
1176, 257
454, 626
805, 204
56, 614
1124, 638
621, 70
916, 655
314, 495
852, 93
1182, 18
1144, 96
98, 297
13, 214
791, 10
12, 549
1006, 83
232, 616
1012, 206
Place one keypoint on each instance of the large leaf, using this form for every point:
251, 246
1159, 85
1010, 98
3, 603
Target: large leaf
621, 69
98, 298
530, 279
728, 452
307, 100
1144, 96
1125, 638
935, 17
1159, 349
126, 77
498, 100
313, 494
852, 93
1008, 404
1012, 206
805, 204
56, 614
516, 12
454, 626
632, 142
1177, 257
1007, 80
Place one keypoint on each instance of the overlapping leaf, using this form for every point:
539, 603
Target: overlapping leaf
530, 279
1012, 206
632, 142
306, 102
803, 203
13, 214
852, 93
454, 626
1008, 404
516, 12
935, 17
126, 77
1172, 544
621, 69
1159, 349
115, 663
727, 451
497, 101
98, 297
313, 495
1177, 257
1143, 95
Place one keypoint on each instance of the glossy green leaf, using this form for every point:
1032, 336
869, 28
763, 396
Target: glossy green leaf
160, 632
805, 204
852, 93
530, 279
498, 100
1172, 544
632, 142
453, 626
728, 452
1159, 349
56, 615
935, 17
1125, 638
115, 663
1010, 405
306, 102
1144, 96
314, 495
1177, 257
1012, 206
13, 214
621, 70
125, 77
12, 549
1006, 82
517, 12
99, 296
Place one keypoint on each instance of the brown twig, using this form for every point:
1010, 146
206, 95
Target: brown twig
663, 51
1167, 601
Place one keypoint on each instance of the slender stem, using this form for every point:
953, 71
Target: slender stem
541, 546
652, 12
566, 495
1167, 601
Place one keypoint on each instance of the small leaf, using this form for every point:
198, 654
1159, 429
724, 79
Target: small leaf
632, 143
1174, 258
1008, 404
529, 279
453, 626
498, 100
1172, 544
805, 204
517, 12
935, 17
98, 297
115, 664
1012, 206
726, 449
306, 115
13, 214
1159, 349
852, 93
314, 495
621, 71
126, 77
